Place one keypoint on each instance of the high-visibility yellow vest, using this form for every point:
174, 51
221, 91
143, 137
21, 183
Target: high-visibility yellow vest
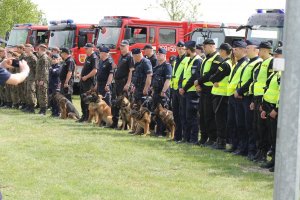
272, 93
262, 77
234, 79
221, 90
208, 62
187, 74
176, 75
247, 73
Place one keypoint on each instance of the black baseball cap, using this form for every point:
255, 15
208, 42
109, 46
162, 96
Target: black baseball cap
209, 41
65, 50
136, 51
148, 46
88, 45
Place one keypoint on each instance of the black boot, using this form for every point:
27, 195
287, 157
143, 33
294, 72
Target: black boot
30, 109
42, 111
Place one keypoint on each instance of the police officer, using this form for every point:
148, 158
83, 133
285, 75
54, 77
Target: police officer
209, 66
149, 53
30, 83
200, 51
42, 75
87, 80
219, 90
187, 89
142, 75
260, 76
54, 83
67, 73
179, 64
247, 139
235, 125
105, 74
122, 78
161, 80
270, 109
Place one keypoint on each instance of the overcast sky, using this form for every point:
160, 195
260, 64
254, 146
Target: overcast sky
91, 11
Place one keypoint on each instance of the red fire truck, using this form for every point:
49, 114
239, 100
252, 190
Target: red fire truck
27, 33
66, 33
112, 30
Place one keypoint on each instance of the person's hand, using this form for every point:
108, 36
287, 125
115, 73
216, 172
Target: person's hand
263, 115
84, 78
181, 91
41, 83
7, 63
196, 82
237, 96
216, 84
24, 67
252, 106
126, 87
107, 88
273, 114
163, 94
145, 92
66, 85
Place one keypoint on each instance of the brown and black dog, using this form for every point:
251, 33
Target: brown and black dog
167, 118
141, 119
67, 109
98, 108
124, 104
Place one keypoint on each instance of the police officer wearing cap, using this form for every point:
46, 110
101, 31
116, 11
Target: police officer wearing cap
200, 51
161, 80
209, 66
67, 73
270, 109
142, 75
122, 79
190, 100
260, 76
179, 64
105, 74
54, 82
235, 125
247, 139
149, 54
87, 80
219, 90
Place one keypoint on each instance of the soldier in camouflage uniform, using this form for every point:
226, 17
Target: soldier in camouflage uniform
13, 89
31, 60
2, 87
22, 86
41, 77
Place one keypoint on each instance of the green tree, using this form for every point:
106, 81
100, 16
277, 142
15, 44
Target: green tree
18, 11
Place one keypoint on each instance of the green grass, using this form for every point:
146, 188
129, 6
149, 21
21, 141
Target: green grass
46, 158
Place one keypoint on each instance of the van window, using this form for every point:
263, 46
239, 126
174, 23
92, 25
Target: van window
167, 36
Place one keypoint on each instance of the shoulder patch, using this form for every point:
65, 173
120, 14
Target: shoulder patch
220, 68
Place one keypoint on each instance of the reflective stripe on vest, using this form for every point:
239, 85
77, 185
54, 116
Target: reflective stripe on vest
232, 85
260, 83
207, 66
221, 90
176, 75
187, 74
272, 93
247, 73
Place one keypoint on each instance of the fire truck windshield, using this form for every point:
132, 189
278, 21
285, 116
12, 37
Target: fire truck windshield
109, 37
17, 36
272, 34
62, 39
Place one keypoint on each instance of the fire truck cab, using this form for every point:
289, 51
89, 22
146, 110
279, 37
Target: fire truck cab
266, 25
67, 34
27, 33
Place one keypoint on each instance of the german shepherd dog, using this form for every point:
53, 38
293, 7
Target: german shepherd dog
124, 104
141, 119
167, 118
98, 108
67, 109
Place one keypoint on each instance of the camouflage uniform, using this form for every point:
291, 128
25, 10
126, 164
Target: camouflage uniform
22, 86
42, 74
30, 83
15, 97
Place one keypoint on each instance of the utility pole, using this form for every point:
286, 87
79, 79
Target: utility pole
287, 165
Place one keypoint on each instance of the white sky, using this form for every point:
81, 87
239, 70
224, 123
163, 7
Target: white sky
91, 11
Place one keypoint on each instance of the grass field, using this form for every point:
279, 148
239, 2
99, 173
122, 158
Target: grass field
46, 158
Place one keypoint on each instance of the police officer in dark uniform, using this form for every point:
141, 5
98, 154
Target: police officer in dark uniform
149, 53
54, 82
122, 78
161, 80
87, 80
190, 100
141, 78
67, 73
105, 74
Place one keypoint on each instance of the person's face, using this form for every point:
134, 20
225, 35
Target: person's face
54, 51
124, 48
207, 48
89, 50
251, 51
181, 50
263, 52
239, 52
188, 52
2, 54
148, 52
161, 57
278, 56
41, 50
55, 61
103, 55
27, 50
222, 53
